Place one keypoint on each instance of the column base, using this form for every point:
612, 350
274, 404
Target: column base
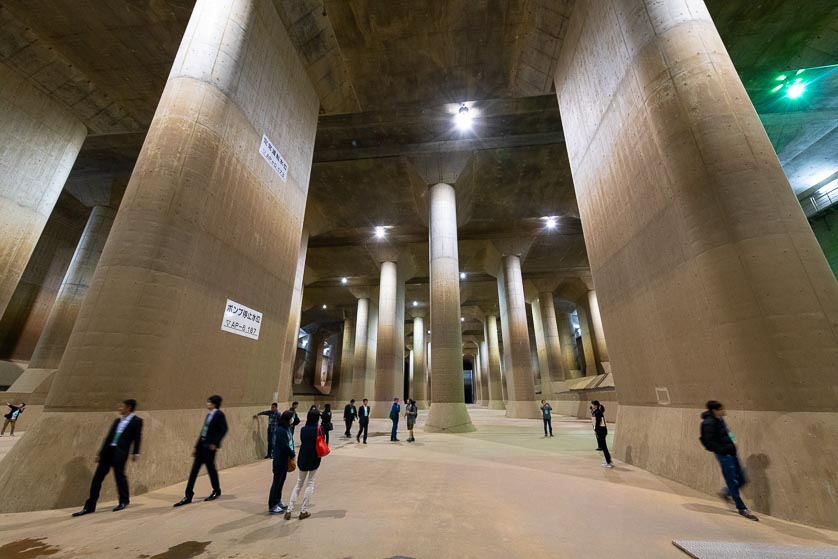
381, 410
526, 409
789, 457
46, 452
447, 417
497, 405
422, 405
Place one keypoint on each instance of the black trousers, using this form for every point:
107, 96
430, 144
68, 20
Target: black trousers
325, 427
271, 432
280, 473
203, 457
111, 457
348, 427
363, 428
600, 439
548, 422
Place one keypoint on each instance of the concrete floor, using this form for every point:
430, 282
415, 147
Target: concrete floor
502, 492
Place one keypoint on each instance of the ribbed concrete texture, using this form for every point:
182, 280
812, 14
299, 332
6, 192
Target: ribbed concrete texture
551, 337
385, 355
347, 358
204, 219
539, 347
598, 331
520, 378
495, 386
564, 320
40, 144
448, 411
359, 361
62, 317
586, 332
709, 279
418, 386
285, 391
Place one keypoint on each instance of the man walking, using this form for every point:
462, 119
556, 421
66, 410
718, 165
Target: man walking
363, 421
209, 441
395, 410
716, 438
126, 430
545, 416
349, 415
273, 418
296, 420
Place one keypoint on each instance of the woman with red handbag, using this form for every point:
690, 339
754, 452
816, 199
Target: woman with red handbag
312, 446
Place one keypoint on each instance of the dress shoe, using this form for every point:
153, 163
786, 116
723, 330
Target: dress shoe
184, 501
82, 512
304, 515
119, 507
213, 496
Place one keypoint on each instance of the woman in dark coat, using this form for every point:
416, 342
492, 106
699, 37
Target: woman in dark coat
326, 421
307, 464
282, 452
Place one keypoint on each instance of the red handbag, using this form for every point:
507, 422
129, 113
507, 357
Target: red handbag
321, 446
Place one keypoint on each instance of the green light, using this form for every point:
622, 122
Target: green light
795, 90
776, 89
800, 71
781, 77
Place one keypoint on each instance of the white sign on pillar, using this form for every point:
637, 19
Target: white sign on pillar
241, 320
274, 158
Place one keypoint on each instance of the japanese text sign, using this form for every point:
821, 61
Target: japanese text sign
274, 158
241, 320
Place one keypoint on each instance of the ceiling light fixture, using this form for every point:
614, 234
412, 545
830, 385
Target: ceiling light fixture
795, 90
463, 118
462, 319
551, 223
324, 306
462, 275
380, 231
344, 281
415, 303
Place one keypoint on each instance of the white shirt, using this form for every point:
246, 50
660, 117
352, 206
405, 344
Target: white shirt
209, 416
123, 423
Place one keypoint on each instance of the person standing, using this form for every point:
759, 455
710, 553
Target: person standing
601, 431
273, 417
545, 416
411, 412
209, 441
717, 438
326, 421
307, 465
11, 417
126, 431
395, 410
363, 421
282, 453
349, 415
296, 420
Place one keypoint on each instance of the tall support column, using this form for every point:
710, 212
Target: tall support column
587, 336
62, 317
205, 219
598, 332
551, 337
484, 370
410, 366
521, 393
699, 249
359, 362
541, 350
448, 412
385, 356
418, 387
285, 391
564, 320
495, 382
40, 143
347, 359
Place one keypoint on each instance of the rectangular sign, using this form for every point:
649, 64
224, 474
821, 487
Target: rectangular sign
241, 320
274, 158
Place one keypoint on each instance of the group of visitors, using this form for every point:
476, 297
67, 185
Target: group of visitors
362, 414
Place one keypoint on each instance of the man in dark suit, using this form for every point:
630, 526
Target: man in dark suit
363, 421
126, 430
349, 414
212, 432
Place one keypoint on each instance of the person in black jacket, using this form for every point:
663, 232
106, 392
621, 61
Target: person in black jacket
307, 463
273, 417
209, 441
126, 430
296, 420
349, 415
11, 417
326, 421
363, 421
716, 438
283, 451
601, 431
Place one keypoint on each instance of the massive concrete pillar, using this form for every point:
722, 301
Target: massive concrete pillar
484, 370
709, 279
586, 334
479, 369
62, 317
344, 391
385, 357
598, 331
516, 344
205, 220
40, 142
540, 347
495, 382
359, 361
285, 391
551, 338
564, 321
418, 388
448, 412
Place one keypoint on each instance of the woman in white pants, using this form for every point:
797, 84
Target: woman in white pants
307, 464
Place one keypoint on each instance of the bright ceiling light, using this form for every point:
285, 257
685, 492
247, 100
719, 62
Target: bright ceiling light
380, 231
324, 306
462, 319
463, 118
795, 90
415, 303
462, 275
344, 281
551, 223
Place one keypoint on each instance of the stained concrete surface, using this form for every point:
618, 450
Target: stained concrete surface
503, 491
